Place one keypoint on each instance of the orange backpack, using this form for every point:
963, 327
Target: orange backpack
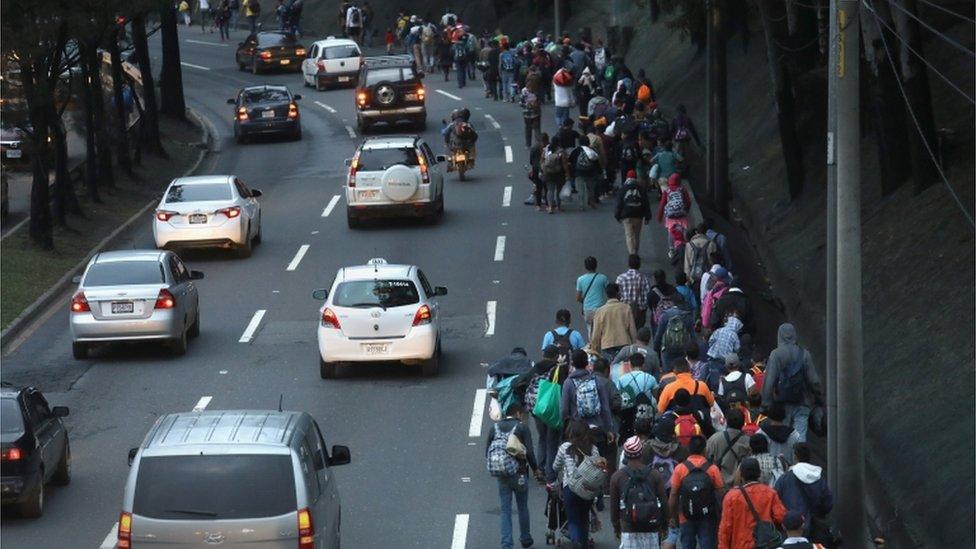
685, 427
644, 93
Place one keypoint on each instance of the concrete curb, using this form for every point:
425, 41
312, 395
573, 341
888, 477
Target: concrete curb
41, 304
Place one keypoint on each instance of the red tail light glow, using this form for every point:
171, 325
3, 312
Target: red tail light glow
353, 168
165, 300
265, 55
422, 316
79, 303
242, 113
125, 531
165, 215
361, 99
231, 212
306, 530
300, 52
329, 319
11, 454
292, 111
423, 166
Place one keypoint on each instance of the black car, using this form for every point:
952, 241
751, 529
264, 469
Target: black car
34, 445
390, 89
266, 109
268, 50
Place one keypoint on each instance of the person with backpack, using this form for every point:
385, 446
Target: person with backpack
752, 512
736, 386
675, 329
509, 458
633, 210
698, 391
428, 45
706, 282
459, 53
697, 250
792, 380
636, 389
563, 94
673, 207
508, 66
719, 282
565, 339
584, 398
634, 288
531, 115
637, 500
771, 466
724, 342
642, 346
613, 325
577, 477
805, 490
591, 290
696, 490
528, 386
585, 162
684, 130
729, 447
354, 24
666, 163
708, 224
782, 437
733, 302
682, 287
555, 171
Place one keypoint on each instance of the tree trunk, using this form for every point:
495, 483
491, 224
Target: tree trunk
150, 115
65, 200
121, 118
103, 145
655, 10
771, 12
916, 82
91, 156
36, 93
171, 102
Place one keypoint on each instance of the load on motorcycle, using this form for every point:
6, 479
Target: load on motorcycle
460, 138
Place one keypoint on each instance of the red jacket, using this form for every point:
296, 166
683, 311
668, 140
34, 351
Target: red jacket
674, 184
735, 530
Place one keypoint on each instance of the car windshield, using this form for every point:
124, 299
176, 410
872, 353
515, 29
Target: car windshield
375, 160
215, 487
266, 39
196, 193
264, 95
376, 293
124, 273
374, 76
11, 419
340, 52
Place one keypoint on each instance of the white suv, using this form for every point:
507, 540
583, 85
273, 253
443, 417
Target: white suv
394, 176
332, 61
379, 312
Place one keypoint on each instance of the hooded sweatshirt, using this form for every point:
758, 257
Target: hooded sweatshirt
725, 340
803, 489
787, 351
674, 185
782, 439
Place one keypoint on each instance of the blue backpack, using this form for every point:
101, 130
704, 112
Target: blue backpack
792, 381
507, 61
587, 397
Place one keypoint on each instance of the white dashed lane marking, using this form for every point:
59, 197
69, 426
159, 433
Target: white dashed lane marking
490, 318
451, 95
509, 157
507, 197
332, 204
202, 403
252, 326
326, 107
111, 538
351, 132
460, 538
493, 122
192, 66
205, 43
302, 250
500, 248
478, 412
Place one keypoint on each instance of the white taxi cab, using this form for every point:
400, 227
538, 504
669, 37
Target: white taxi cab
332, 61
379, 312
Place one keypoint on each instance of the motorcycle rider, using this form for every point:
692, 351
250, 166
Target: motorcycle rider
459, 134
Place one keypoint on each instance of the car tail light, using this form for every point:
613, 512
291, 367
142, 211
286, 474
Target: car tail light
423, 166
329, 319
231, 212
306, 530
292, 110
125, 530
265, 55
300, 52
11, 454
79, 303
165, 215
165, 300
361, 99
353, 168
321, 66
421, 93
422, 316
242, 113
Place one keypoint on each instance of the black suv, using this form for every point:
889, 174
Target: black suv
34, 447
390, 90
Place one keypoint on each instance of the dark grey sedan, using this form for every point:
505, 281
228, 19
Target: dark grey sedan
266, 110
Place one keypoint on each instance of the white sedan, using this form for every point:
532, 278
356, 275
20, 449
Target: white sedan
379, 312
208, 211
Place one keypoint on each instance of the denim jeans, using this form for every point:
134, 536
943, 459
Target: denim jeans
508, 77
547, 445
798, 416
532, 125
462, 73
553, 186
562, 113
429, 52
577, 516
519, 487
699, 534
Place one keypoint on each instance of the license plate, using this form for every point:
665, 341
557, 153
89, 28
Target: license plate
119, 307
376, 348
368, 194
343, 79
267, 114
411, 97
14, 153
196, 219
285, 61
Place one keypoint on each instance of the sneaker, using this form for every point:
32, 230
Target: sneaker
527, 544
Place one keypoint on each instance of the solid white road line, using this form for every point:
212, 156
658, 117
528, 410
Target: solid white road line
111, 539
507, 197
252, 326
451, 95
490, 314
493, 121
460, 532
478, 412
326, 107
192, 66
202, 403
351, 132
302, 250
509, 157
205, 43
500, 248
332, 204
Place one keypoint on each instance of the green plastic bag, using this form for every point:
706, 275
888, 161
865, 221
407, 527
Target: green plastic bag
547, 402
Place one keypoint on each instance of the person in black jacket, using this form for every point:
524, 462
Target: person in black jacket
633, 207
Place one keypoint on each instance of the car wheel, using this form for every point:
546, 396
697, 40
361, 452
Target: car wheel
327, 370
422, 125
241, 66
178, 345
33, 505
257, 237
254, 66
461, 175
244, 249
353, 221
431, 366
319, 85
194, 330
240, 136
79, 350
62, 477
297, 134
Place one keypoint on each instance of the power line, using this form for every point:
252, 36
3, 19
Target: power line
952, 42
921, 58
918, 127
947, 10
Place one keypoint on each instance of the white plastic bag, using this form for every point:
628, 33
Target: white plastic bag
718, 418
494, 410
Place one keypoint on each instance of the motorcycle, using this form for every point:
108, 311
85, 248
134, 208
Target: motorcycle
461, 159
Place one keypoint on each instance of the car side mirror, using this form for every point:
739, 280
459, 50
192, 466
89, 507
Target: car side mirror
256, 193
132, 455
60, 411
76, 279
441, 158
320, 294
297, 97
196, 275
340, 456
347, 162
232, 101
440, 290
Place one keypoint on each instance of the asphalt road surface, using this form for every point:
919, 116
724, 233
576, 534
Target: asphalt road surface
417, 477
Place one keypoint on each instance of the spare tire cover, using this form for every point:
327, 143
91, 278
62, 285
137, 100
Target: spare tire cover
400, 183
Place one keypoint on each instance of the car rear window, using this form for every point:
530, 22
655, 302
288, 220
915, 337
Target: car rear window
11, 418
215, 487
375, 76
194, 193
376, 293
124, 272
374, 160
264, 95
275, 39
340, 52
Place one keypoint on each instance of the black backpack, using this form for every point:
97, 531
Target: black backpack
735, 391
697, 493
640, 501
632, 198
564, 347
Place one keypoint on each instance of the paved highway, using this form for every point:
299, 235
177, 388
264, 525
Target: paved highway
418, 477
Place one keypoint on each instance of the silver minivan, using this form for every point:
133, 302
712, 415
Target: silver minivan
238, 478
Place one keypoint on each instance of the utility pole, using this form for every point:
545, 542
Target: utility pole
558, 14
850, 353
709, 105
831, 334
718, 130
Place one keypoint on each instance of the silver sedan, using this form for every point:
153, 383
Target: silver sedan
134, 295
